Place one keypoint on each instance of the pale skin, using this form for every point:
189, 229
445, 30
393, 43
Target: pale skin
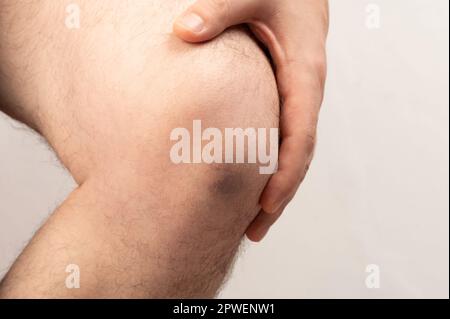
295, 32
105, 97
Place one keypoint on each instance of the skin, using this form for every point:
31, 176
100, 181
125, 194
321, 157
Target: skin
295, 33
105, 97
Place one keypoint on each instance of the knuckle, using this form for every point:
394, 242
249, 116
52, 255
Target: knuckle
304, 173
310, 137
307, 167
320, 64
315, 67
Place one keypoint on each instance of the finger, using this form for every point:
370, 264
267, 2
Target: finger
259, 228
206, 19
299, 117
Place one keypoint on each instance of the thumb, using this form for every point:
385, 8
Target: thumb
206, 19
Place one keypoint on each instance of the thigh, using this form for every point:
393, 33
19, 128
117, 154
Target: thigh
122, 80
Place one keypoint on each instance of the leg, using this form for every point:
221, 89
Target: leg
138, 225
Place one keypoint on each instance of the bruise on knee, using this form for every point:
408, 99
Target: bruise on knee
236, 182
228, 182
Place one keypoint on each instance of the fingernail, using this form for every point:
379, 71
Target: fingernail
277, 206
263, 235
259, 237
192, 22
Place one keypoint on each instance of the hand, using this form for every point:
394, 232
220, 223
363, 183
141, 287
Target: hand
295, 33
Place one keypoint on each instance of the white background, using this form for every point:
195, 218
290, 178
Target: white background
377, 192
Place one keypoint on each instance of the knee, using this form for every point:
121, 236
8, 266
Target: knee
225, 99
227, 83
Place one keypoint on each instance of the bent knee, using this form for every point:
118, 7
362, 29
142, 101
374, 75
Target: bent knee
205, 184
227, 83
118, 109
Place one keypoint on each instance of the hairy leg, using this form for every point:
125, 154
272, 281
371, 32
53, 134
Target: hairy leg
106, 97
